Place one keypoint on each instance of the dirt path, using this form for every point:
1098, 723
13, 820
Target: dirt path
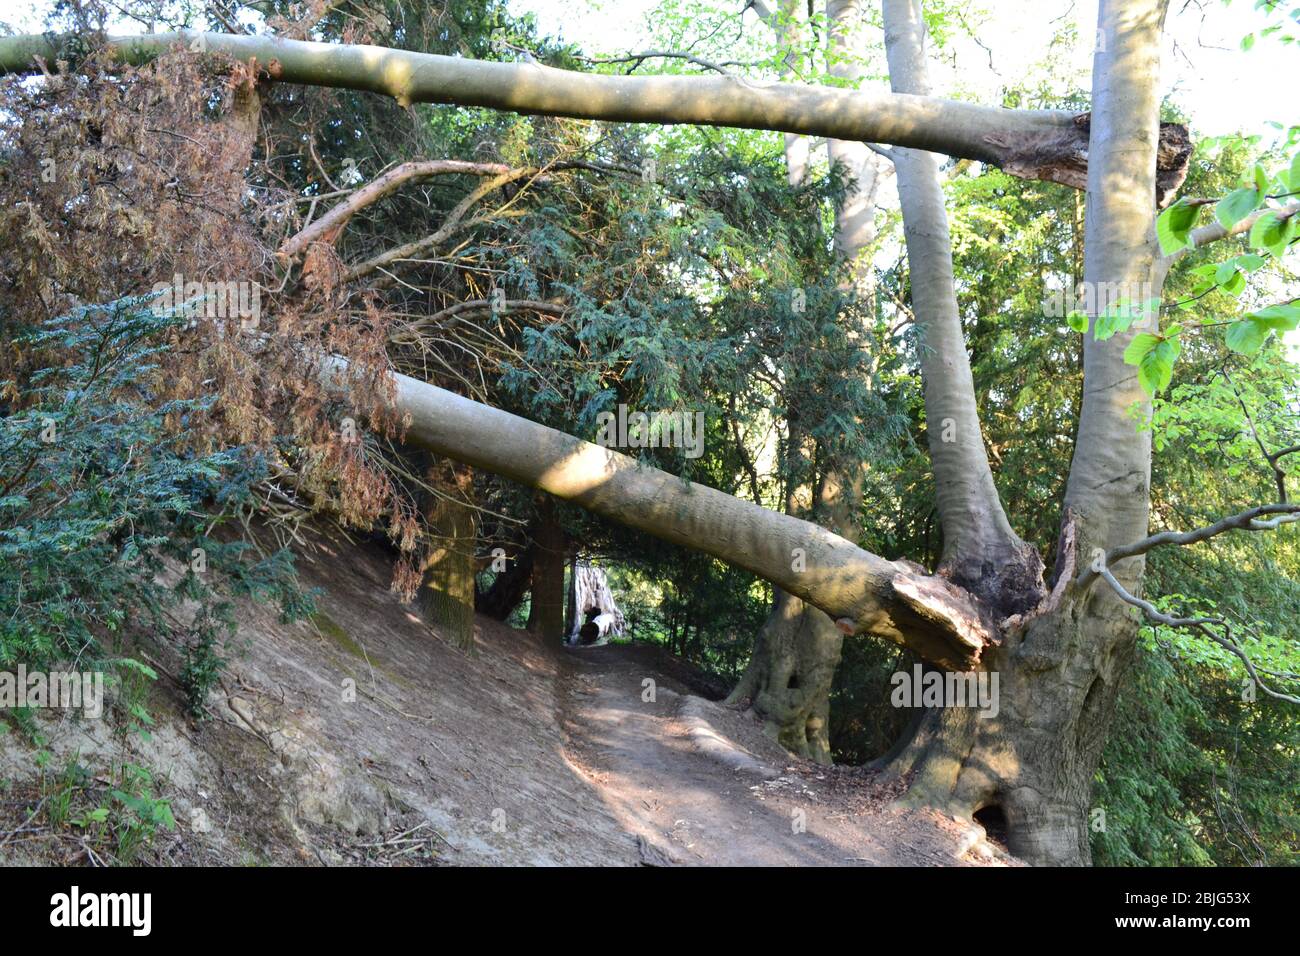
700, 784
360, 737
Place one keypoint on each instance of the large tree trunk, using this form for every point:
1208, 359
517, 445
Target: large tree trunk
1035, 760
788, 680
1060, 667
546, 616
447, 589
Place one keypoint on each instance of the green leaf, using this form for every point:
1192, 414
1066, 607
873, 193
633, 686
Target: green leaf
1078, 321
1142, 343
1268, 233
1236, 206
1293, 176
1156, 370
1247, 336
1279, 318
1234, 283
1174, 226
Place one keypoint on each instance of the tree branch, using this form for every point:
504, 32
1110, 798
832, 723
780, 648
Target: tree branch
636, 59
1249, 520
1214, 232
453, 221
331, 224
1203, 625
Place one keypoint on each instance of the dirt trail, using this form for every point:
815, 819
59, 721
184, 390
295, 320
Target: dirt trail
740, 800
362, 738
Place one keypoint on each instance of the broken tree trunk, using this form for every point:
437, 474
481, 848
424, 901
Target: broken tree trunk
1035, 144
595, 614
860, 591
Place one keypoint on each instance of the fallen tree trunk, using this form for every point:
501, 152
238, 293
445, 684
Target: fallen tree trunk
862, 592
1034, 144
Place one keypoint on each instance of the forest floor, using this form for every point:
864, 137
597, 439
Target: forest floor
361, 738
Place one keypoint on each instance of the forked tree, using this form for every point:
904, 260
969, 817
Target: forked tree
1062, 646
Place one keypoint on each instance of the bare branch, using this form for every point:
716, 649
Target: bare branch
328, 227
1253, 519
1215, 232
408, 331
417, 247
1279, 476
636, 59
1203, 625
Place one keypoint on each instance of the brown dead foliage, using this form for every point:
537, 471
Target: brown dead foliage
118, 181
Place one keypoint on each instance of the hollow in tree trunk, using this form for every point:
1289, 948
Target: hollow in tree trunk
789, 676
1034, 758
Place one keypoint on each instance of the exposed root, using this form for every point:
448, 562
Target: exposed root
693, 714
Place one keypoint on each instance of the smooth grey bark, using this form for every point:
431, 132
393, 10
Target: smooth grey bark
791, 35
1060, 666
980, 550
855, 217
788, 679
1028, 143
861, 591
